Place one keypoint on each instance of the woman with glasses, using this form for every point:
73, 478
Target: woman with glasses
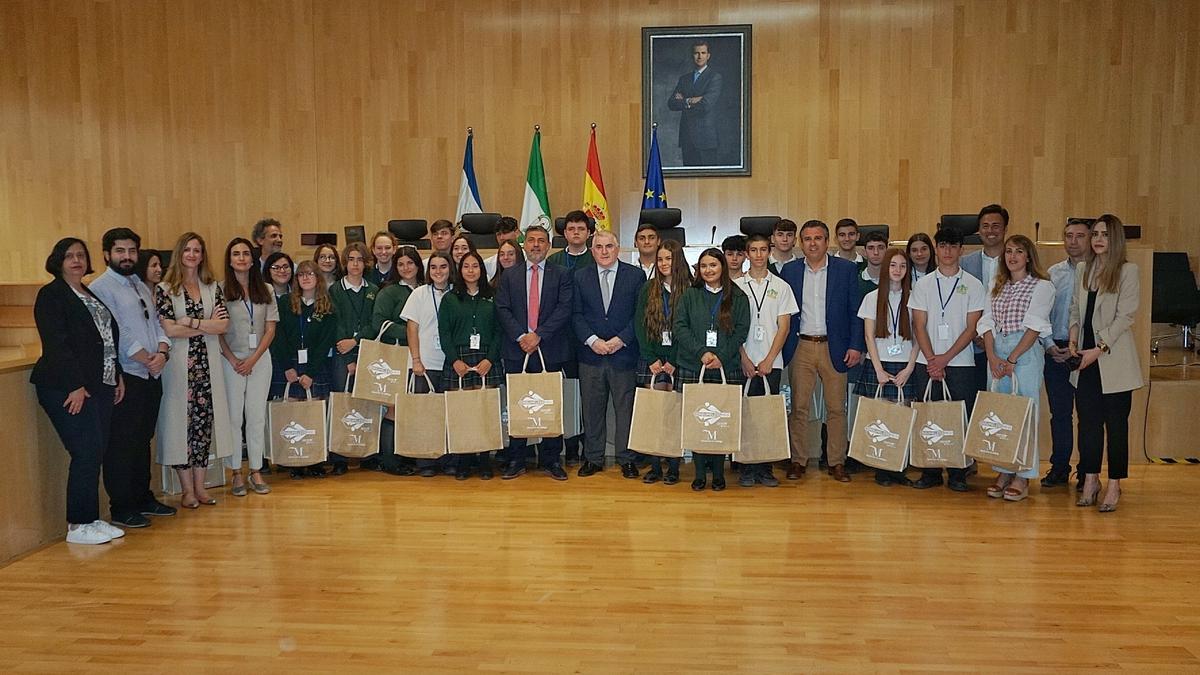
326, 257
304, 337
279, 268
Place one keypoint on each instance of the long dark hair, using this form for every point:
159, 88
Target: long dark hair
259, 293
656, 317
412, 254
485, 288
145, 255
883, 325
931, 265
725, 313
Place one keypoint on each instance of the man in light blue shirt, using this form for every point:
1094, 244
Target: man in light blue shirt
1059, 392
143, 350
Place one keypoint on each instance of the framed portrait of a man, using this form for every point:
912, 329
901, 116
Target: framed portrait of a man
696, 87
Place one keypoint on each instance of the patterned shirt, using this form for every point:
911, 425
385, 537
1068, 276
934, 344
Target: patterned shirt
103, 320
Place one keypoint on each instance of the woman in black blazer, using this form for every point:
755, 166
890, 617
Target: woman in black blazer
78, 381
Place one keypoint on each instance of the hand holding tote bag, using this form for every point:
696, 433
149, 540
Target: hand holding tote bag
764, 427
420, 424
882, 432
535, 402
937, 440
1000, 429
472, 420
711, 421
353, 424
381, 370
298, 431
654, 429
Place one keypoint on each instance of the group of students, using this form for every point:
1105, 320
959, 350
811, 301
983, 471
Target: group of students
148, 350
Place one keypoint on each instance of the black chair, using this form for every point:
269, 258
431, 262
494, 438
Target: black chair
1174, 297
864, 230
965, 223
666, 222
318, 238
410, 232
480, 229
749, 225
560, 224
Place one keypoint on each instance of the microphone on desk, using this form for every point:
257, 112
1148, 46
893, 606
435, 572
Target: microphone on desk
712, 241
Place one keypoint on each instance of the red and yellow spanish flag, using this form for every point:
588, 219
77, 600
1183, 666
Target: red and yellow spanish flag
595, 204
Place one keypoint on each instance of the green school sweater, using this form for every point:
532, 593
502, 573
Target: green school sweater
388, 305
319, 336
459, 317
651, 346
694, 320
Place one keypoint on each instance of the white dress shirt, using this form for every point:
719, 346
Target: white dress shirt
812, 305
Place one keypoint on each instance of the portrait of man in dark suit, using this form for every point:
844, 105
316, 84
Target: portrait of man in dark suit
696, 97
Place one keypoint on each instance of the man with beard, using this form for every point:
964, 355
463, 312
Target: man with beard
143, 350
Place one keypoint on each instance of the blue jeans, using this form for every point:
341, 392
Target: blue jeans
1061, 397
1028, 373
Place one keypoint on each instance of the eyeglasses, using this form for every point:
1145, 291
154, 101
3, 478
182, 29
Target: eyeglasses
327, 258
302, 275
280, 268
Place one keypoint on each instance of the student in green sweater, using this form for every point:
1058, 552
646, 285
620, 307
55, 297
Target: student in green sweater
576, 229
304, 337
470, 335
710, 326
353, 299
389, 305
656, 305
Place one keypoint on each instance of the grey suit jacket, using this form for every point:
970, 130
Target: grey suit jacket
1112, 320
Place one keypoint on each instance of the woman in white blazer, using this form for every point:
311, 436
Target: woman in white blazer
193, 419
1107, 293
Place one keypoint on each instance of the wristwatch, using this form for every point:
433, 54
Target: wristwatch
1103, 346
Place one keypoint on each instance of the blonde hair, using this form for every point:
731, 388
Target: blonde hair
173, 277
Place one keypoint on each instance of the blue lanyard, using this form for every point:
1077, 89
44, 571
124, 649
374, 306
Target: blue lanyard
946, 303
716, 306
249, 310
666, 299
433, 294
303, 322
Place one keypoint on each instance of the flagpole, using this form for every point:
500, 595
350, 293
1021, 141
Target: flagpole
470, 131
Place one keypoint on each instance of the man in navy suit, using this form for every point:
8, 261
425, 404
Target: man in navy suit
535, 311
696, 96
606, 296
825, 340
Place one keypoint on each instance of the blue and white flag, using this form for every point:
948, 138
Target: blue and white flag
468, 188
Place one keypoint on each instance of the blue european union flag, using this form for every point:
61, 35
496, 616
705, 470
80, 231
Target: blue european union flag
655, 194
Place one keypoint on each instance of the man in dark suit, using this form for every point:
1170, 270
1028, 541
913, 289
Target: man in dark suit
825, 340
696, 96
606, 296
535, 310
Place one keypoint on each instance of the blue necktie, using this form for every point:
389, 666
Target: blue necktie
695, 77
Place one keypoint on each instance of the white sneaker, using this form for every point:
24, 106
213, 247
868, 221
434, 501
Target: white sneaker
86, 534
108, 528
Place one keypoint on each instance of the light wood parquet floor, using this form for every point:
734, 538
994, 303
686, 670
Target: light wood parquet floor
372, 573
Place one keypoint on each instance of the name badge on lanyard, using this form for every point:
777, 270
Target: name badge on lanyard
666, 338
943, 332
475, 341
894, 350
760, 333
252, 338
301, 356
710, 338
943, 329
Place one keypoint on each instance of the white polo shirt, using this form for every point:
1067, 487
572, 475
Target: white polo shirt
769, 299
959, 295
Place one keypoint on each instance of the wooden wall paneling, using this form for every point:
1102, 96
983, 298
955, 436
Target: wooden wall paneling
210, 115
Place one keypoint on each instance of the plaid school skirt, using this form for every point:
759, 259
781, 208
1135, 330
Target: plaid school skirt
868, 382
471, 357
684, 376
645, 378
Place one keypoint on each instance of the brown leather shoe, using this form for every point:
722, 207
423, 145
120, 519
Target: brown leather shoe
839, 474
796, 471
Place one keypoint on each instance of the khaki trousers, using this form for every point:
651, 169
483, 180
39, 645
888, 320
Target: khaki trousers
810, 363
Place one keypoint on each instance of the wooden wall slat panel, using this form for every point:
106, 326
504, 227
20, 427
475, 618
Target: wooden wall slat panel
209, 114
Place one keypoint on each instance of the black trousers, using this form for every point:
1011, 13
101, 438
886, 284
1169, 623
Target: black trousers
85, 437
127, 460
1102, 417
962, 383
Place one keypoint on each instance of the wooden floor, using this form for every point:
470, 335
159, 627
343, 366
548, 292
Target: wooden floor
373, 573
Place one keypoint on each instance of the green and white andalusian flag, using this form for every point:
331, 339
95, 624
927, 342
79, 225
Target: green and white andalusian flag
535, 210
